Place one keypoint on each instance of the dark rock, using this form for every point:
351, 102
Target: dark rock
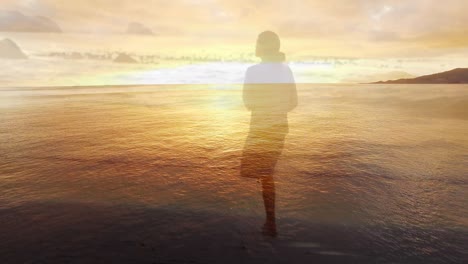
124, 58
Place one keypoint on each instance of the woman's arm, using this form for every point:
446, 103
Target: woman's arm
247, 92
292, 96
292, 92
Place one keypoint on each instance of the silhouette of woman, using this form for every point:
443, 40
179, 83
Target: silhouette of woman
269, 93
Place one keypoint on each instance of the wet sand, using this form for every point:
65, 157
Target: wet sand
87, 233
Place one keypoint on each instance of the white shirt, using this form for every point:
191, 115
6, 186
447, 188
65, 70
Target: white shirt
270, 72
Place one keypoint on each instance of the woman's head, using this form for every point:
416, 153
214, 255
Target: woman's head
268, 45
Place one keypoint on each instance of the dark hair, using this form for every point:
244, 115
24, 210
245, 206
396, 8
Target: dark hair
268, 44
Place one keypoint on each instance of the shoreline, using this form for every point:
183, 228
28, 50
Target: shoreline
84, 232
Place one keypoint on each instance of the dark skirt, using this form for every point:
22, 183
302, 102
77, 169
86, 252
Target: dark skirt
262, 149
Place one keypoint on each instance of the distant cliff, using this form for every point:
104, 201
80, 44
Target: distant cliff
14, 21
9, 50
459, 75
367, 78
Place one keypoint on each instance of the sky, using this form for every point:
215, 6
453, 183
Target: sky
391, 38
342, 27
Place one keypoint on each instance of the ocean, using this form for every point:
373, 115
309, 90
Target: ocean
151, 174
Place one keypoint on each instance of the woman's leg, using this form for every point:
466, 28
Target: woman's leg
274, 148
268, 187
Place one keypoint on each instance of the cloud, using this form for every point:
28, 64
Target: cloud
379, 35
362, 22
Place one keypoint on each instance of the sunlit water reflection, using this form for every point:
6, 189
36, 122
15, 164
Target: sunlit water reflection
368, 173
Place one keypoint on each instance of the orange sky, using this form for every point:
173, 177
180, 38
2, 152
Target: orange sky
361, 28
